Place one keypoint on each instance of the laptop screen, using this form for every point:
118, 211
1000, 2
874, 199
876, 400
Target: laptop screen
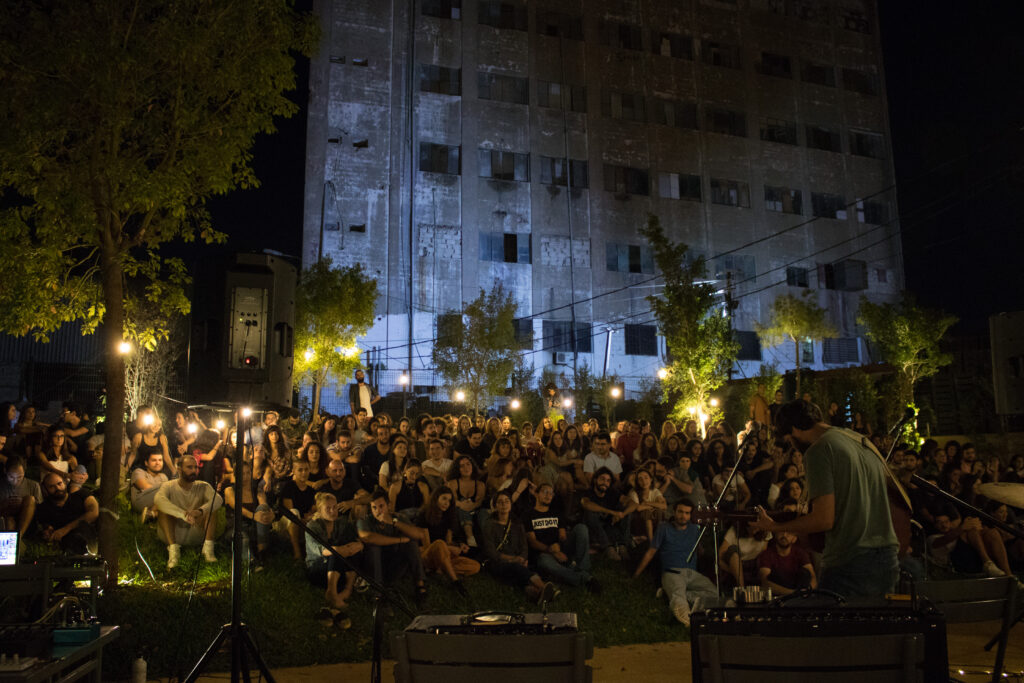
8, 548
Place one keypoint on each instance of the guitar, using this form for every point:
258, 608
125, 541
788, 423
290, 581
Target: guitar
710, 515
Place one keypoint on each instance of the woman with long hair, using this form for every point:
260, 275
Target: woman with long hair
273, 462
672, 448
499, 474
443, 548
391, 469
532, 448
646, 450
492, 431
327, 432
567, 462
574, 440
503, 540
409, 492
316, 455
30, 431
649, 501
668, 428
464, 483
54, 455
462, 427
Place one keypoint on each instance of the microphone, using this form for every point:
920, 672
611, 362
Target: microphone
908, 415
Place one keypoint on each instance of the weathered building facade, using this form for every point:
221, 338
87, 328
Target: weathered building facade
457, 144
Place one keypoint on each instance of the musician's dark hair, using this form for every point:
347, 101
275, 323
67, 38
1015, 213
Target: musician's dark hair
797, 413
684, 501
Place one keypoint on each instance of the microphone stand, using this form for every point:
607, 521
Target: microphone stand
383, 594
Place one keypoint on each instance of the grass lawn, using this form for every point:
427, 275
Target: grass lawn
170, 624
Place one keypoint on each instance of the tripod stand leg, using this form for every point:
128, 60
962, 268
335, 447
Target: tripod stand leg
248, 644
210, 652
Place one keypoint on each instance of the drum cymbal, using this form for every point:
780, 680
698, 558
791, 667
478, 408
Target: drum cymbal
1005, 492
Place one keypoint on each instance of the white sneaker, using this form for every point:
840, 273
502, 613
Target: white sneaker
173, 555
208, 551
992, 570
682, 614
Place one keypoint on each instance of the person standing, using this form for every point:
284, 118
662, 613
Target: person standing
846, 481
362, 395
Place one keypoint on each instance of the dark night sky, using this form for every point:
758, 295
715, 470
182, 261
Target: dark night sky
953, 75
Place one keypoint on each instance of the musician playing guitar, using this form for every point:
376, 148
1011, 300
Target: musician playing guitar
846, 480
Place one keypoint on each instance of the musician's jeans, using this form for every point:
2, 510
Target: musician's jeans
686, 586
576, 571
604, 532
871, 574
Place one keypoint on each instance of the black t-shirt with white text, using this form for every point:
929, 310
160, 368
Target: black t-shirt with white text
544, 525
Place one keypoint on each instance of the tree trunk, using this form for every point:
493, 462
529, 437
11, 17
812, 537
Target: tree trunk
317, 386
796, 344
113, 432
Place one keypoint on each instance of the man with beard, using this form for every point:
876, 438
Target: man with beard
184, 513
362, 395
66, 519
846, 481
606, 513
784, 566
346, 490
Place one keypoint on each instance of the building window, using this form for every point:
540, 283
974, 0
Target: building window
865, 144
629, 258
621, 36
503, 165
721, 54
674, 114
523, 330
807, 351
730, 192
850, 275
778, 130
436, 158
558, 95
819, 74
440, 79
824, 205
872, 212
626, 180
841, 350
796, 277
735, 267
671, 45
775, 65
554, 171
863, 82
641, 340
559, 25
625, 106
679, 186
445, 9
725, 121
557, 336
807, 10
750, 345
854, 18
359, 227
783, 200
502, 15
820, 137
505, 247
500, 88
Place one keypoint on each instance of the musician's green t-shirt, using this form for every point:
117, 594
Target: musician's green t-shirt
839, 465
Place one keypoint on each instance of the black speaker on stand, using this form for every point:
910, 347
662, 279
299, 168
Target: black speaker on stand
241, 338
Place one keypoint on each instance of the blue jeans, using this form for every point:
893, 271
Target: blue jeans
576, 571
604, 532
869, 575
685, 586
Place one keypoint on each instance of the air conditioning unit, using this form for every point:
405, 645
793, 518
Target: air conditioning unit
563, 358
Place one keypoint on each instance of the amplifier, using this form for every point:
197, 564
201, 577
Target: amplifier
820, 644
26, 640
496, 647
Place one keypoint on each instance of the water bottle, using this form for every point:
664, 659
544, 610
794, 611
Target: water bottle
139, 670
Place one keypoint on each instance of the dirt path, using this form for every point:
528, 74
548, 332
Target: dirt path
665, 662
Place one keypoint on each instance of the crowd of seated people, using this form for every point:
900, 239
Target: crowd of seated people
533, 505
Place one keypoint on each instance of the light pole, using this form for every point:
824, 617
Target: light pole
403, 379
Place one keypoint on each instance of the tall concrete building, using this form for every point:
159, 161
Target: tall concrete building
458, 144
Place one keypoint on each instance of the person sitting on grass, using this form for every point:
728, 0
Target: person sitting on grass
464, 482
66, 519
673, 542
392, 546
556, 552
649, 503
408, 494
444, 549
297, 495
257, 517
19, 497
185, 510
146, 481
606, 513
738, 552
323, 567
503, 541
344, 488
436, 466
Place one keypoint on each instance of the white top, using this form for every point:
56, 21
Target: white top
440, 466
364, 398
175, 501
653, 496
592, 463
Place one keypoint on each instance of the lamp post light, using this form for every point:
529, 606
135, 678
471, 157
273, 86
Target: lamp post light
514, 404
460, 395
125, 347
308, 355
662, 373
403, 379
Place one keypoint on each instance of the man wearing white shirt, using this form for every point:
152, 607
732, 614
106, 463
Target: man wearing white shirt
601, 456
362, 395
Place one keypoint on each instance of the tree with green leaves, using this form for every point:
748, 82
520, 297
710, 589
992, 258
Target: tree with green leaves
333, 307
475, 350
796, 319
690, 316
909, 337
121, 119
